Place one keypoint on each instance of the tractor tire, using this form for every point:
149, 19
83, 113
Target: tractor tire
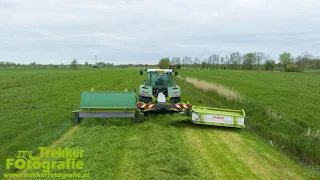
144, 99
175, 100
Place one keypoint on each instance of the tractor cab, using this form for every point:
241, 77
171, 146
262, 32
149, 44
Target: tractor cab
159, 81
159, 78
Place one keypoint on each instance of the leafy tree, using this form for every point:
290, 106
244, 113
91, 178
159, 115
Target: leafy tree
227, 60
260, 58
173, 60
315, 64
184, 61
187, 61
280, 66
205, 62
293, 68
203, 65
304, 60
178, 61
215, 60
74, 64
235, 60
190, 60
196, 62
164, 63
285, 58
248, 61
222, 62
209, 62
269, 65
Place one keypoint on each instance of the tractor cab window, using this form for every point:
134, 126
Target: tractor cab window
159, 78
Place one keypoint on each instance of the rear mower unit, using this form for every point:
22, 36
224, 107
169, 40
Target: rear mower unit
157, 94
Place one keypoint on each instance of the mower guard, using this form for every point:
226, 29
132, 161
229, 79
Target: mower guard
217, 116
107, 104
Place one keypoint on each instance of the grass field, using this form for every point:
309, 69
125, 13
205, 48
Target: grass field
38, 107
295, 96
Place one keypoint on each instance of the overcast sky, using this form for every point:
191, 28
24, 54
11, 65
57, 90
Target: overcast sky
143, 31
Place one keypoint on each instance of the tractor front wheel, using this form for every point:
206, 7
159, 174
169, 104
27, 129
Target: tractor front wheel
175, 100
144, 99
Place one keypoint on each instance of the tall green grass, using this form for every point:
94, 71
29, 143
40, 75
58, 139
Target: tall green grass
297, 138
295, 95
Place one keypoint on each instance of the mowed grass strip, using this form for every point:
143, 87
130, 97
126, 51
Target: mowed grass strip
250, 158
124, 149
170, 147
214, 156
264, 161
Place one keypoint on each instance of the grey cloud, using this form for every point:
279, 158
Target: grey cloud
138, 31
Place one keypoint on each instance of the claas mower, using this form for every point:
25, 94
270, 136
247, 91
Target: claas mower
158, 94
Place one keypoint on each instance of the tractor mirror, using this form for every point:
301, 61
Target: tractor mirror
141, 72
176, 73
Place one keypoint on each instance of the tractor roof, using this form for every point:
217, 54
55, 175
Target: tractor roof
160, 70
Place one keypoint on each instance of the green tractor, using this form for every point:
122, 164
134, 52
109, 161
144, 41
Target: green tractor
158, 94
159, 91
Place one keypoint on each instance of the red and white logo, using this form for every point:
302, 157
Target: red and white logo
218, 117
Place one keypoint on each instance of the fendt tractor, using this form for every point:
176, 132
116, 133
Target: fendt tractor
158, 94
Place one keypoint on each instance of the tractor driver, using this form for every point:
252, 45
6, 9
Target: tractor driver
160, 80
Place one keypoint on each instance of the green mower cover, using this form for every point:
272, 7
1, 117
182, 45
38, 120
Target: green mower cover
107, 104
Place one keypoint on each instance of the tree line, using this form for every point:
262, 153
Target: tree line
234, 60
74, 65
247, 61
